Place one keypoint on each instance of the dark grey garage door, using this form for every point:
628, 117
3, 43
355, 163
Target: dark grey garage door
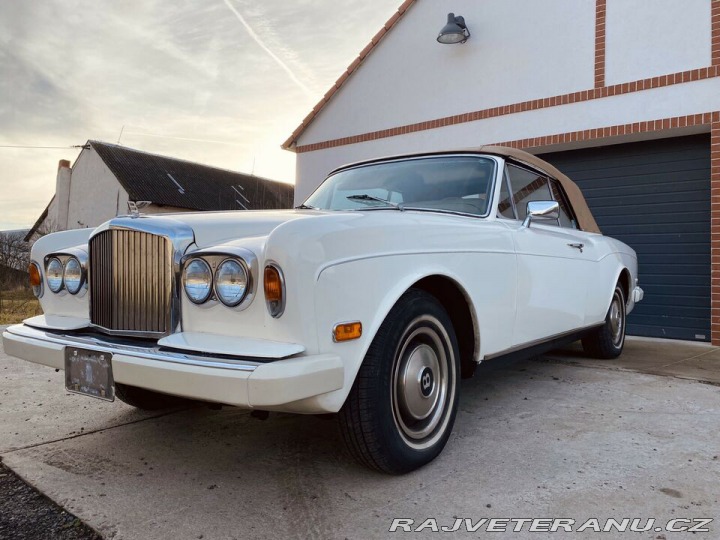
655, 197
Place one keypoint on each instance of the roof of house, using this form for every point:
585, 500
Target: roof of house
377, 38
183, 184
38, 223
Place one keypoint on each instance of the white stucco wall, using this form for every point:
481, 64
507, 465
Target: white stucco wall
519, 50
95, 193
670, 101
648, 38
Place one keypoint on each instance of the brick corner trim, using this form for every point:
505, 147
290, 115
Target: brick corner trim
600, 18
715, 228
715, 18
503, 110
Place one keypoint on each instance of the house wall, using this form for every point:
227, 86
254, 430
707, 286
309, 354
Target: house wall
647, 38
508, 59
516, 78
95, 194
543, 76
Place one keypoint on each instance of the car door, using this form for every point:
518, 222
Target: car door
555, 260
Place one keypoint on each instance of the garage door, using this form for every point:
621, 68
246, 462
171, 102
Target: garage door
655, 197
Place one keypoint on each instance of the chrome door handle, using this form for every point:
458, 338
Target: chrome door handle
577, 246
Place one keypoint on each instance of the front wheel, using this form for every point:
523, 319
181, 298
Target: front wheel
402, 406
607, 341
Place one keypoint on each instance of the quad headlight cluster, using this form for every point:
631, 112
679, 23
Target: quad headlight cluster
62, 273
230, 279
229, 283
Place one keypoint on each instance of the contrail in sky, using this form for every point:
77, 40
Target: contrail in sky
264, 47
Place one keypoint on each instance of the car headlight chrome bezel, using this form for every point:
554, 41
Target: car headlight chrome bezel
242, 265
215, 258
198, 299
76, 285
54, 270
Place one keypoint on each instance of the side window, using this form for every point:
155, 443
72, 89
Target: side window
566, 216
527, 186
505, 206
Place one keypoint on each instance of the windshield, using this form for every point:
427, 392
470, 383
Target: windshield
441, 183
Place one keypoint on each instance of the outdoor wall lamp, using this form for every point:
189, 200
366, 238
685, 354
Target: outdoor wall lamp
455, 31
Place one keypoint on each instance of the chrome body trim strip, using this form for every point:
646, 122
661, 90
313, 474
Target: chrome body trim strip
536, 342
147, 352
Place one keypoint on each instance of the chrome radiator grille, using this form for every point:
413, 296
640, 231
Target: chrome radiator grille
131, 282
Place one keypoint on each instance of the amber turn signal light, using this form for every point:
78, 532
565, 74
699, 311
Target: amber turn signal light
35, 278
347, 331
274, 285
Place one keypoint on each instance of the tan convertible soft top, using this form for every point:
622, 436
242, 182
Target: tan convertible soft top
586, 221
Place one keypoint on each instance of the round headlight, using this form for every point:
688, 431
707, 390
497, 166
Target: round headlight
197, 281
55, 275
231, 282
73, 275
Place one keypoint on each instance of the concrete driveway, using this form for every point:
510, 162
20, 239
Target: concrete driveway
560, 437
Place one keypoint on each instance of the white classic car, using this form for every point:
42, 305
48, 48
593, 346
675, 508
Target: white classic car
371, 300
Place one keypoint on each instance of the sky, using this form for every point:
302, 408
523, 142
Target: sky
220, 82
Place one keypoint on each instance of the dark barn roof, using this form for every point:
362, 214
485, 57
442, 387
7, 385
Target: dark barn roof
183, 184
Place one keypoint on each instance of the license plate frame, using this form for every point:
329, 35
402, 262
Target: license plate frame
89, 373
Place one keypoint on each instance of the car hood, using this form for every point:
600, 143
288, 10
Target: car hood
212, 228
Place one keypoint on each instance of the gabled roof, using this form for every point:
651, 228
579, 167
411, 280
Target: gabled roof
392, 21
39, 221
174, 182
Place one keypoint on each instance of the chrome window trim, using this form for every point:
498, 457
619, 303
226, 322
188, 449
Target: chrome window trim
550, 179
498, 161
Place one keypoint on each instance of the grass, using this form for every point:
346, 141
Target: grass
18, 305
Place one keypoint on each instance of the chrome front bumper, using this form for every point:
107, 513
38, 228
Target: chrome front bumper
240, 382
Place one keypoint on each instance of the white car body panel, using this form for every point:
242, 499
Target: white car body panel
522, 285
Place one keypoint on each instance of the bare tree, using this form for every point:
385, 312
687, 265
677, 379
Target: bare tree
14, 259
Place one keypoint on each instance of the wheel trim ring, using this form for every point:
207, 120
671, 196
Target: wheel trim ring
433, 426
617, 320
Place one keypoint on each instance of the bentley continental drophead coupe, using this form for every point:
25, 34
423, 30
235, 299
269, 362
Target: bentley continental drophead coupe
393, 281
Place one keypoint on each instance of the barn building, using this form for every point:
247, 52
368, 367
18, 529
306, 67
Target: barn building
105, 177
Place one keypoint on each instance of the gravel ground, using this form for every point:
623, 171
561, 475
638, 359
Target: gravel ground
26, 514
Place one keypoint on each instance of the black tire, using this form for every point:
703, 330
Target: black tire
402, 406
147, 400
607, 341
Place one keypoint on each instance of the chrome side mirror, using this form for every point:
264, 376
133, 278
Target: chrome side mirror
542, 210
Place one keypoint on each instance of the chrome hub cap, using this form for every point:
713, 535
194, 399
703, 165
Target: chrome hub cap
617, 320
421, 382
418, 392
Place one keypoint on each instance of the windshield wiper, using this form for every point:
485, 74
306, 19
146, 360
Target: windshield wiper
304, 206
366, 197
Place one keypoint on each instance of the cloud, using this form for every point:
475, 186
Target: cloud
184, 78
264, 47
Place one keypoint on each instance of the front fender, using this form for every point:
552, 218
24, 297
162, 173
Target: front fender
365, 290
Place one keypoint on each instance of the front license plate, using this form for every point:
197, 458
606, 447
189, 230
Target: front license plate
89, 373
